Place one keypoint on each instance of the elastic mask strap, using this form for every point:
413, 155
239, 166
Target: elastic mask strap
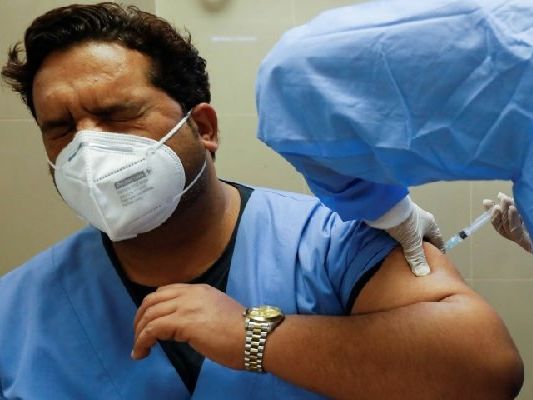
190, 185
173, 130
50, 163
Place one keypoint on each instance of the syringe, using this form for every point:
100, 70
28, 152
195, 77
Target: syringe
466, 232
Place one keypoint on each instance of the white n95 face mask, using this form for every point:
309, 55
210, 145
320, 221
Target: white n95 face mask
120, 183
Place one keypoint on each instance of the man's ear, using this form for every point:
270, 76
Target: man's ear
205, 118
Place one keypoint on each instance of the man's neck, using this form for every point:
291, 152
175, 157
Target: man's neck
187, 244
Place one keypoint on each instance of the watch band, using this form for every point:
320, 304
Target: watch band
256, 334
258, 323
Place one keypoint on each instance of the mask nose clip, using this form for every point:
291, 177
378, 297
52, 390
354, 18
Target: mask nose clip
150, 152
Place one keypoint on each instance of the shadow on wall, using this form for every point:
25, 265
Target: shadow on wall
214, 5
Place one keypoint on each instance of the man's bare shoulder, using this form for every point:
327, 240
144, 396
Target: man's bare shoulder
394, 285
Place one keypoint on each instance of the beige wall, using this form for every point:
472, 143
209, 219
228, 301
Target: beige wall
234, 35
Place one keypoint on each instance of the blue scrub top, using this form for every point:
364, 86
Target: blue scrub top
405, 93
67, 319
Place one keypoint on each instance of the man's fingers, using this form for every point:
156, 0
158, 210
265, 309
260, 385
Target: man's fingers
154, 312
154, 298
160, 329
173, 286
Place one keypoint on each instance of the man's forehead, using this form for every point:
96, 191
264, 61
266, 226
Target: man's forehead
93, 62
94, 73
92, 57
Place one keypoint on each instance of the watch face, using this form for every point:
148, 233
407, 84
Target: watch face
265, 313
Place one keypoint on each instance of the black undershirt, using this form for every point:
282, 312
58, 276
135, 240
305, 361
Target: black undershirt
183, 357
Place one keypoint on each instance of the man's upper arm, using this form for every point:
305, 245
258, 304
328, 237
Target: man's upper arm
394, 285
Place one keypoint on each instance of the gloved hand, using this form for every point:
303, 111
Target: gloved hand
507, 221
410, 232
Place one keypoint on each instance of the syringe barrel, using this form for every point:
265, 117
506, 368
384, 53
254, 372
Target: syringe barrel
478, 222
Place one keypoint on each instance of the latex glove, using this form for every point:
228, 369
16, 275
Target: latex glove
507, 221
410, 225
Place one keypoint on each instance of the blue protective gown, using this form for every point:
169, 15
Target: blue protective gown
405, 92
66, 319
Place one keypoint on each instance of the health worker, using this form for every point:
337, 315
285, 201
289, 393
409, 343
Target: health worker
369, 99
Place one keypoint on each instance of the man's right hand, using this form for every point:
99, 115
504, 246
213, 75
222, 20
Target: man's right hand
507, 221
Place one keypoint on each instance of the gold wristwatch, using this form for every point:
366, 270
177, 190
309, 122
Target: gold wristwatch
258, 323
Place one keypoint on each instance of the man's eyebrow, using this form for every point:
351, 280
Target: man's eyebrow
54, 123
112, 108
103, 110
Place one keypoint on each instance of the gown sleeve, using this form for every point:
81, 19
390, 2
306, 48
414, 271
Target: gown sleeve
401, 93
